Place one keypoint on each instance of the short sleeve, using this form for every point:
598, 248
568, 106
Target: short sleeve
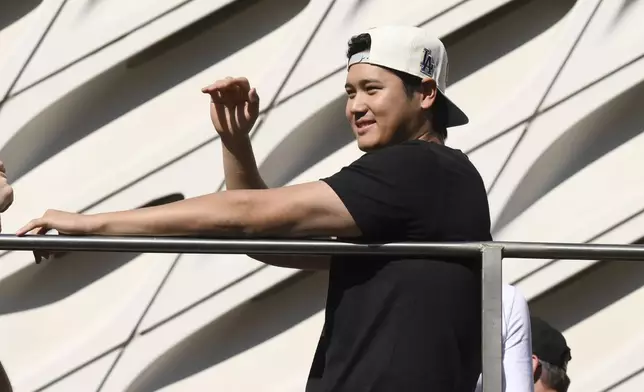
383, 190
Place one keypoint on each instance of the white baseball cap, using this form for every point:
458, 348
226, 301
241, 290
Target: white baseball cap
414, 51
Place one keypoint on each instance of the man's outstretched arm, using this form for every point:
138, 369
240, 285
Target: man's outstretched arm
306, 210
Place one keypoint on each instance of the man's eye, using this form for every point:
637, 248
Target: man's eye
351, 94
372, 89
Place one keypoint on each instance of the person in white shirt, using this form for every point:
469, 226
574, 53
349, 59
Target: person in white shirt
517, 343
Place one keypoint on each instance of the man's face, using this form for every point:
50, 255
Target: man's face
378, 108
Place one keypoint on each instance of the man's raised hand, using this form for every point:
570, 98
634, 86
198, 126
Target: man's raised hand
234, 107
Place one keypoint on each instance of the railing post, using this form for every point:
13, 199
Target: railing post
491, 305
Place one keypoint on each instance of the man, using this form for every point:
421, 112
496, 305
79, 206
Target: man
550, 357
517, 347
6, 199
392, 323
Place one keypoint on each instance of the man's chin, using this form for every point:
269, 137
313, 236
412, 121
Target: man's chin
367, 145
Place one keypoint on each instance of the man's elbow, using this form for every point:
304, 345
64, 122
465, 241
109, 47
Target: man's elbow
246, 214
262, 217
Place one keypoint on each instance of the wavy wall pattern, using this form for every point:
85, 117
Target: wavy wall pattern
100, 106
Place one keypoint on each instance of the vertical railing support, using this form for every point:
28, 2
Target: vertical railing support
491, 304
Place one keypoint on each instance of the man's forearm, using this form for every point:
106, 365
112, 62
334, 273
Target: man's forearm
217, 214
240, 167
193, 217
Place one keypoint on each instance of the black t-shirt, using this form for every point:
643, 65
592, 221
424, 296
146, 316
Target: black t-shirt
405, 324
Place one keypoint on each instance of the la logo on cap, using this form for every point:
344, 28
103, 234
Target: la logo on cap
427, 65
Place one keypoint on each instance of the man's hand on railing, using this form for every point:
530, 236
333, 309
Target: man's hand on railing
64, 222
6, 191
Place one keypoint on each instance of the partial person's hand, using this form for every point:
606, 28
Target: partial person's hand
64, 222
234, 107
6, 192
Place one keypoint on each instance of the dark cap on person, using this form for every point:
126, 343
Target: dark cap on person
548, 344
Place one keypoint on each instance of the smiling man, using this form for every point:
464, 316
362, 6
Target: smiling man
392, 323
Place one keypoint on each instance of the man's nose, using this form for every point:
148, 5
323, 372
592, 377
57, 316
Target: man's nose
358, 105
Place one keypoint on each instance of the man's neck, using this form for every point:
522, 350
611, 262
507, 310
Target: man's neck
426, 133
430, 138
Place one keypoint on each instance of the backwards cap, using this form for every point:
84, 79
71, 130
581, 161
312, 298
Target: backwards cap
548, 344
414, 51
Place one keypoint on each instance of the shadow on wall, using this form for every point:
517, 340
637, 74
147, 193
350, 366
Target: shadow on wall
491, 37
313, 140
145, 76
625, 8
486, 39
40, 285
241, 329
605, 129
578, 298
14, 10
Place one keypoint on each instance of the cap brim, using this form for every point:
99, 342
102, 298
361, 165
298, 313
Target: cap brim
455, 116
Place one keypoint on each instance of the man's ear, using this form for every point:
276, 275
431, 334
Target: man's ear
428, 93
536, 368
535, 362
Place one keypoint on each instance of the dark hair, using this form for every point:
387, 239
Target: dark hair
554, 377
411, 84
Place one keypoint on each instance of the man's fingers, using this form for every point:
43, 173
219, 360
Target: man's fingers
24, 229
43, 230
214, 87
218, 96
221, 114
225, 96
34, 223
221, 84
40, 255
241, 117
229, 90
247, 114
252, 109
243, 84
37, 226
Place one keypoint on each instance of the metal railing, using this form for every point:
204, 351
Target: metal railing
492, 254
